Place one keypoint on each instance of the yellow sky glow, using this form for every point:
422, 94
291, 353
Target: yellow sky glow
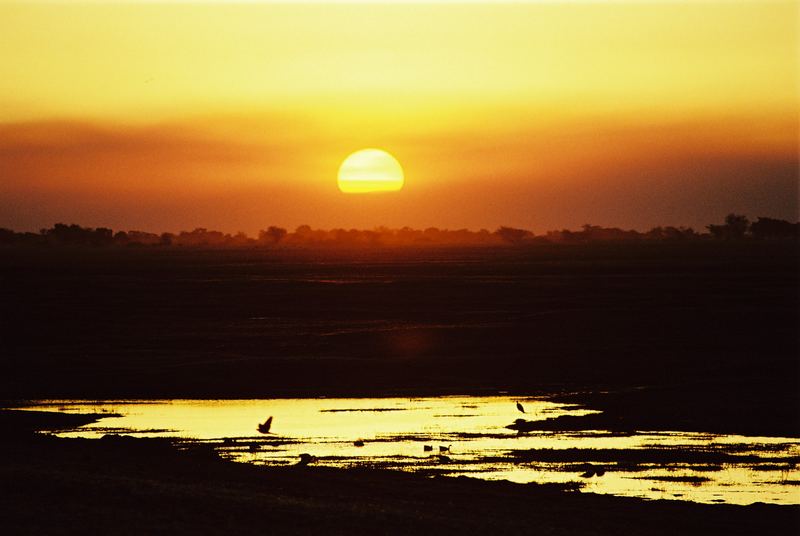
488, 103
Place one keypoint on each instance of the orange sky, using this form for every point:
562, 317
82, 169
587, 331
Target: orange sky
544, 115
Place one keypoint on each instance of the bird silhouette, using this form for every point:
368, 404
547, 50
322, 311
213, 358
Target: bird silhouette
358, 442
599, 471
305, 459
444, 449
265, 426
427, 448
591, 471
519, 407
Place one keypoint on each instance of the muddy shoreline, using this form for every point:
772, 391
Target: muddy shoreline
696, 338
133, 486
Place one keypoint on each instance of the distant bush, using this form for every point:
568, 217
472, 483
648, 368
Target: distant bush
768, 228
735, 227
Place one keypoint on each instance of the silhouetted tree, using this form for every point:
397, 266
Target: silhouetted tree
121, 238
303, 230
201, 237
512, 235
7, 236
77, 235
143, 238
765, 228
557, 236
102, 236
735, 228
595, 233
670, 233
272, 235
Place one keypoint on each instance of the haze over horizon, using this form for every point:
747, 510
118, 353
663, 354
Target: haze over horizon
535, 115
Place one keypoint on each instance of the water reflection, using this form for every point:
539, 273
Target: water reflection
394, 433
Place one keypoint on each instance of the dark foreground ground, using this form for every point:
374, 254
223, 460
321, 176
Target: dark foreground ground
699, 337
709, 328
120, 485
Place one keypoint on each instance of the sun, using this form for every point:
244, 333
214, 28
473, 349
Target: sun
370, 170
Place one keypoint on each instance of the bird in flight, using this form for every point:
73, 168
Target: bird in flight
519, 407
265, 426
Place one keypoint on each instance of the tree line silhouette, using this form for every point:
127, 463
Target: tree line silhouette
735, 227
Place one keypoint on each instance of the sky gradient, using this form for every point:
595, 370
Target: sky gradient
542, 115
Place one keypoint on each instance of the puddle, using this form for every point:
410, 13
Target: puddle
702, 467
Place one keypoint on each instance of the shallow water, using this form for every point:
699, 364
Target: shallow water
700, 467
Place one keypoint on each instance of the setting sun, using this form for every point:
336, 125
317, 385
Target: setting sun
370, 170
282, 261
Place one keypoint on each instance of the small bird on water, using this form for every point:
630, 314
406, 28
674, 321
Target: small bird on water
593, 470
519, 407
265, 426
599, 471
306, 458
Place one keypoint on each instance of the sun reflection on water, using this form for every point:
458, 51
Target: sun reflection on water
465, 436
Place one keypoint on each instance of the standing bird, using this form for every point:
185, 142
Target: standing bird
599, 471
265, 426
519, 407
305, 459
591, 471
